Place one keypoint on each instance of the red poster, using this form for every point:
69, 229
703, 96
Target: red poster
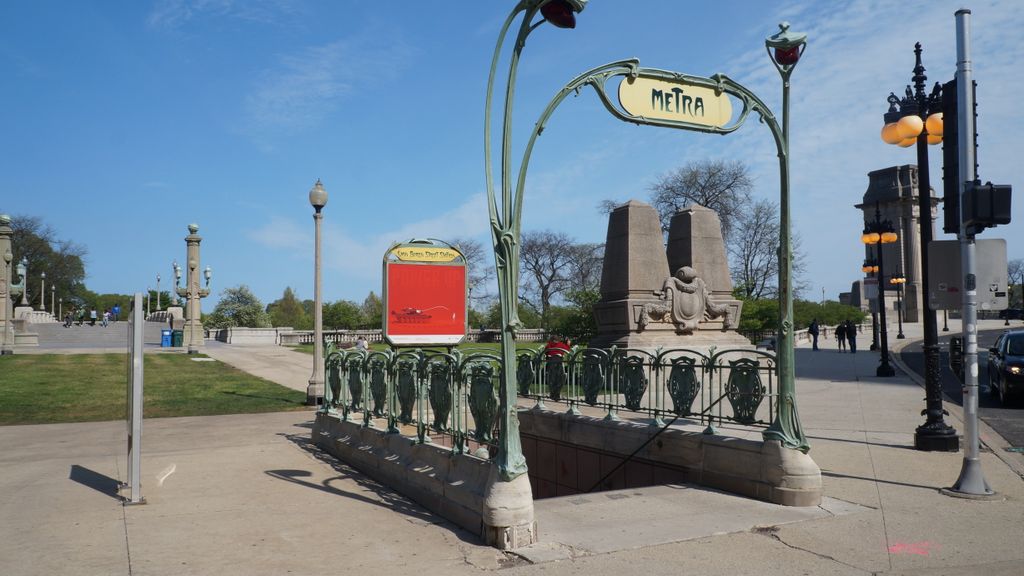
425, 304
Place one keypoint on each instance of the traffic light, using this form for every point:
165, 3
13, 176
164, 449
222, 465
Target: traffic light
986, 205
950, 161
951, 156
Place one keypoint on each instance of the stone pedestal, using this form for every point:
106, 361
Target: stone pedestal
635, 267
633, 279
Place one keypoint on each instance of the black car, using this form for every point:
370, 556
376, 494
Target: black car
1006, 366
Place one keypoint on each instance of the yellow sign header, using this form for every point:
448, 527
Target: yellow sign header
425, 254
674, 100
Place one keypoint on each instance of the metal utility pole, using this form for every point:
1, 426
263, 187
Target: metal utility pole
971, 482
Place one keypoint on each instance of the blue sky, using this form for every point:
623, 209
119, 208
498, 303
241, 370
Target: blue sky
124, 121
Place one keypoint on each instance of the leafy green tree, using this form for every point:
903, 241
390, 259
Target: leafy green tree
372, 311
343, 314
61, 260
528, 316
239, 307
288, 311
577, 322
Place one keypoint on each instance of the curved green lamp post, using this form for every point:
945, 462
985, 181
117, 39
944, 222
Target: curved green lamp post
505, 219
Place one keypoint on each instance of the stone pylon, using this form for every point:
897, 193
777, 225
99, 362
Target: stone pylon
6, 305
193, 336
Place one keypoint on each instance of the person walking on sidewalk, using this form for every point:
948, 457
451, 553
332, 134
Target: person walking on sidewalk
841, 336
813, 331
851, 335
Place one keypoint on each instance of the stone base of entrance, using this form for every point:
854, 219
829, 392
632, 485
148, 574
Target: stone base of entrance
459, 487
572, 454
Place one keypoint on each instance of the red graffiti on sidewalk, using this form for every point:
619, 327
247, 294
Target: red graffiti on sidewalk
918, 548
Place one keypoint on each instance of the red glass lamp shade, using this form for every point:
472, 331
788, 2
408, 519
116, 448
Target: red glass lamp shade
559, 13
787, 56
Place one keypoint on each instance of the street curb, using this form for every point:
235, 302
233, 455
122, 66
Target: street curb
986, 434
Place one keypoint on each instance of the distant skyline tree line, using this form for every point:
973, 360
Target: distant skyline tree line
559, 277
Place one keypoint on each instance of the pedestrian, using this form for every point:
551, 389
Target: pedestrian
106, 318
813, 331
92, 317
81, 315
841, 336
361, 343
67, 319
115, 312
851, 335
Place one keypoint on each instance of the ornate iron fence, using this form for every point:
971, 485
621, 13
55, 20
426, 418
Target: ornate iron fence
452, 396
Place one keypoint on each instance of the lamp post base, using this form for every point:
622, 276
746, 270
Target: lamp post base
941, 438
315, 393
885, 371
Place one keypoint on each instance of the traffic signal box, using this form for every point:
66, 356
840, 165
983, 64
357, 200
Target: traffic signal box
985, 205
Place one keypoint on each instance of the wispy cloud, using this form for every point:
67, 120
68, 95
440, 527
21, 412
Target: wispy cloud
359, 259
304, 87
171, 14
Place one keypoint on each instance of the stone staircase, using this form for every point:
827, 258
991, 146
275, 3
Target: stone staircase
114, 335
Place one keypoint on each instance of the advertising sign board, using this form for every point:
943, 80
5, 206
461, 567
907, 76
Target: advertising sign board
424, 294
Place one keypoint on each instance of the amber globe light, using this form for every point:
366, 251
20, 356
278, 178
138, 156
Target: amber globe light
890, 135
888, 237
934, 125
869, 238
907, 143
910, 126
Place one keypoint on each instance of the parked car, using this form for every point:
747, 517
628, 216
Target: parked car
1011, 314
1006, 366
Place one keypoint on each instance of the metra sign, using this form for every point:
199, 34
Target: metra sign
674, 100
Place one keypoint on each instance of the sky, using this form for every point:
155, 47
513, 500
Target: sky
125, 121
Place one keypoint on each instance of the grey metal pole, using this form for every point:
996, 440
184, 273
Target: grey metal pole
972, 480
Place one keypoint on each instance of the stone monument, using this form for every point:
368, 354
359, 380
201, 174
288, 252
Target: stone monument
652, 298
6, 306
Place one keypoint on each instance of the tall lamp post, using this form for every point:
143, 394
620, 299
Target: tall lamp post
898, 280
53, 295
870, 268
42, 291
877, 233
315, 389
917, 118
157, 292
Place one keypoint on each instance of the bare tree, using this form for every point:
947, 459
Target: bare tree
1015, 274
545, 262
754, 253
716, 184
479, 269
586, 261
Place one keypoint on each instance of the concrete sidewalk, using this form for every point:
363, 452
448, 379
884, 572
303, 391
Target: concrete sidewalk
247, 494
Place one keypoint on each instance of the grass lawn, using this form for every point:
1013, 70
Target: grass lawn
50, 388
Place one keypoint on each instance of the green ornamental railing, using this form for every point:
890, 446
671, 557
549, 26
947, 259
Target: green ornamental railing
450, 398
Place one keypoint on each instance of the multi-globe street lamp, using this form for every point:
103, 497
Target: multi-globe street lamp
870, 268
157, 292
877, 233
53, 295
42, 291
917, 118
315, 389
898, 280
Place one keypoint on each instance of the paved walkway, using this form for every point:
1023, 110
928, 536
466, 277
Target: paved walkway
246, 494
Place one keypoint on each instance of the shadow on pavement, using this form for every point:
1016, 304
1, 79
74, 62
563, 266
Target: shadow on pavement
95, 480
866, 479
865, 442
385, 497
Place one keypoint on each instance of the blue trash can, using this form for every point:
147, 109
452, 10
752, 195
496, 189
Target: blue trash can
165, 338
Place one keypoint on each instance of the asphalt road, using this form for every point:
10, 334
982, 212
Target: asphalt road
1008, 421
